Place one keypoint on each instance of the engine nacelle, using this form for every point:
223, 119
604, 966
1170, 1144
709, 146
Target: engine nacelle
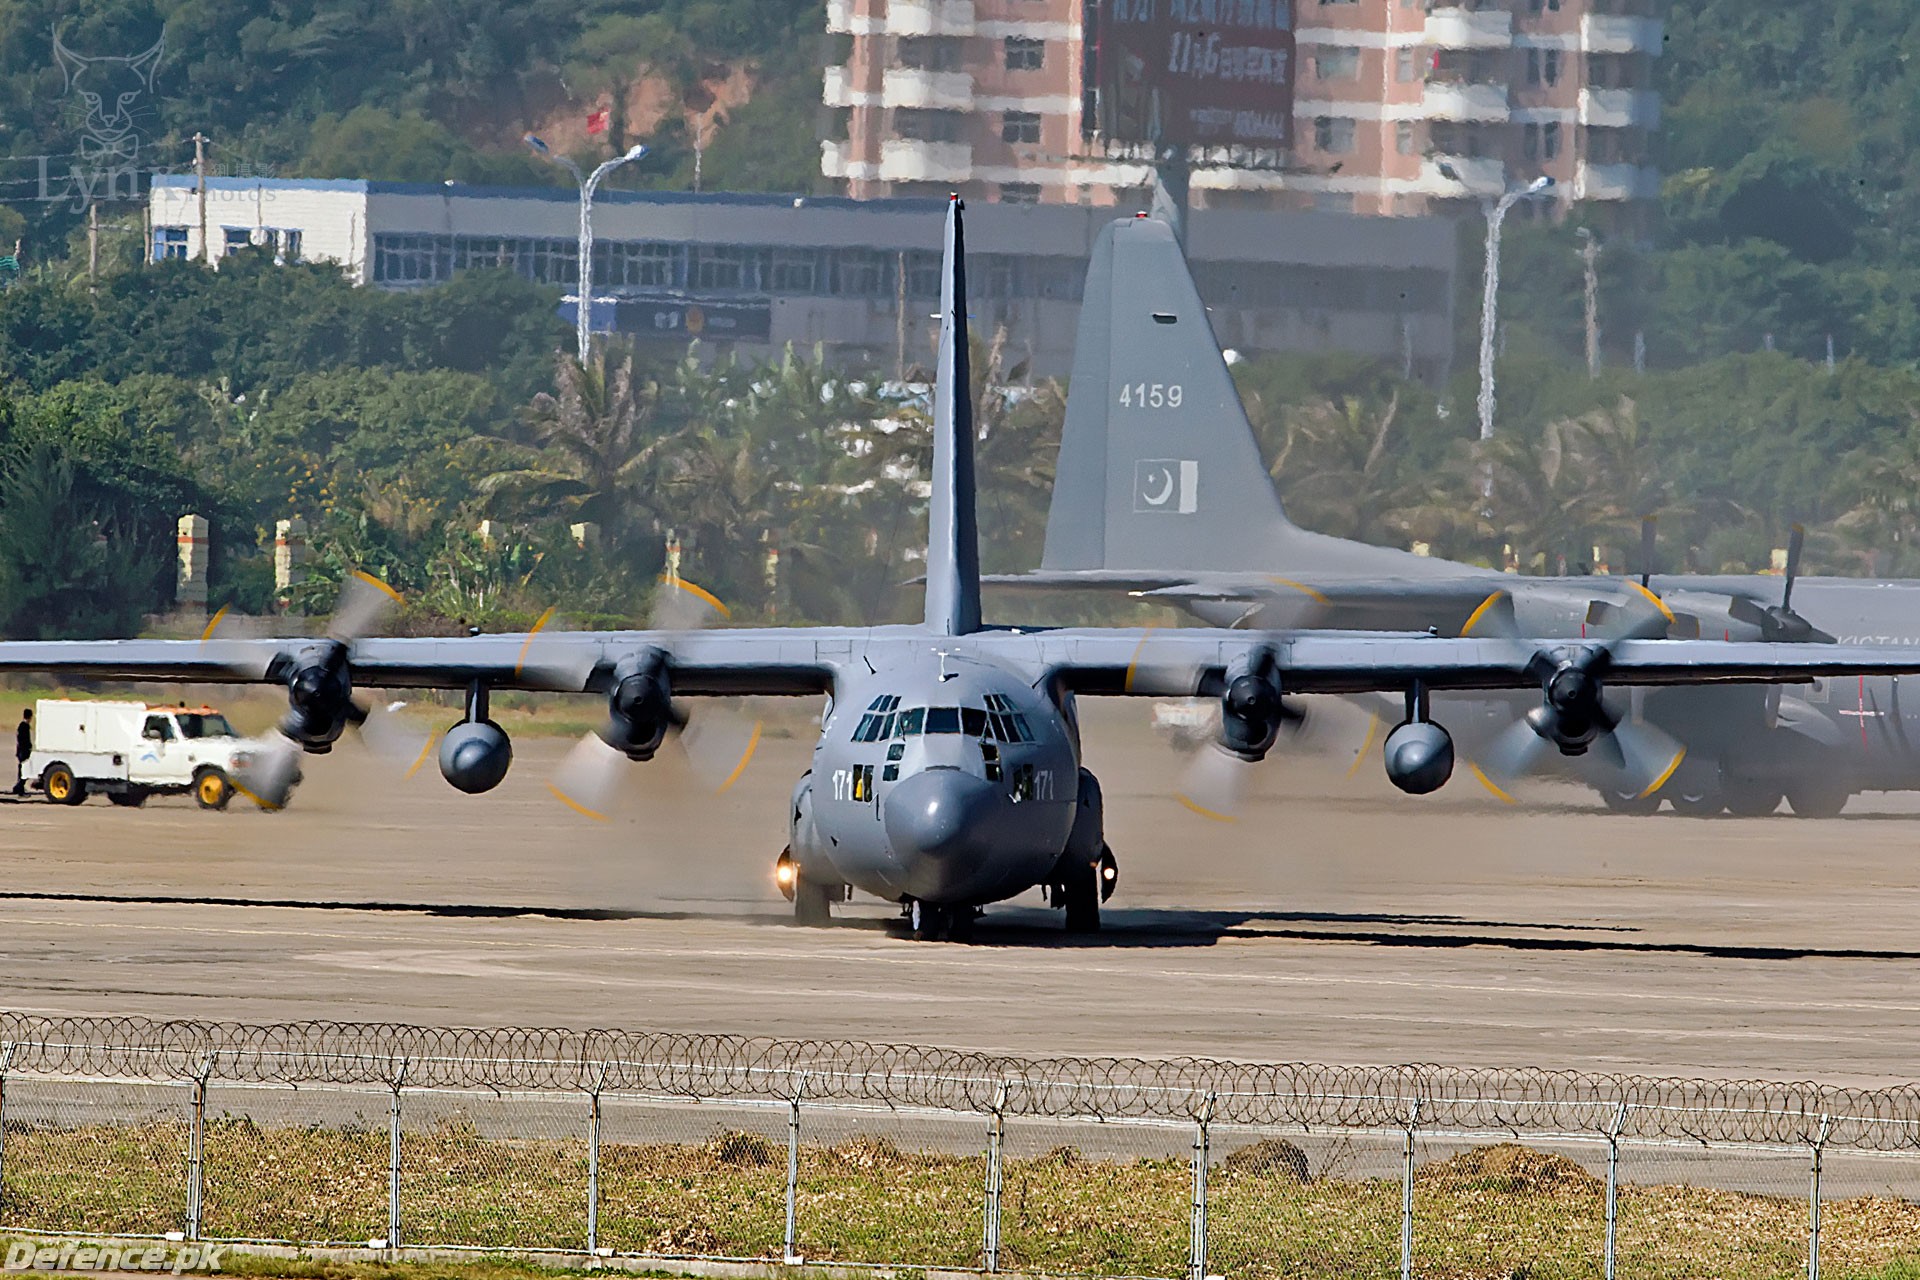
475, 756
319, 698
1252, 710
1572, 716
640, 708
1419, 758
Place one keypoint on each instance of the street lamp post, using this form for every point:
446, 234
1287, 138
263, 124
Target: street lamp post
583, 305
1490, 306
1590, 257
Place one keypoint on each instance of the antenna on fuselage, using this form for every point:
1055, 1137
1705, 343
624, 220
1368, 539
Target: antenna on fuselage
953, 538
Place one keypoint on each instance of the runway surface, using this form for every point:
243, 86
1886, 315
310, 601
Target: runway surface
1337, 922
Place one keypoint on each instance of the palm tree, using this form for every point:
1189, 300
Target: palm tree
1338, 472
601, 453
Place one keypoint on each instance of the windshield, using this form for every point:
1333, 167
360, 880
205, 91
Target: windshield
196, 725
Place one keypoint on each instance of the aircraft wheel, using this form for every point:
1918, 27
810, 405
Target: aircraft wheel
926, 922
960, 927
1080, 892
131, 798
1749, 798
62, 787
1629, 802
812, 903
1813, 799
1696, 790
211, 790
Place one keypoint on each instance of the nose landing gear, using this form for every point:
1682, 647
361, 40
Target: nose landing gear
929, 922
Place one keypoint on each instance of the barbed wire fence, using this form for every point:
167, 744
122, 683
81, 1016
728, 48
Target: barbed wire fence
616, 1144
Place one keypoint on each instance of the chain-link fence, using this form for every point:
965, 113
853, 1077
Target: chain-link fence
616, 1145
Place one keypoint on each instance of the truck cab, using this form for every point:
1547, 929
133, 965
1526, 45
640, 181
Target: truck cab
129, 751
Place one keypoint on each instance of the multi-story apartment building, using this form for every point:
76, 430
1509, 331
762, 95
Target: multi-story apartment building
1400, 106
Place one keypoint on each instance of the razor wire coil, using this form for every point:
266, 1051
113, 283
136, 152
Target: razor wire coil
1519, 1101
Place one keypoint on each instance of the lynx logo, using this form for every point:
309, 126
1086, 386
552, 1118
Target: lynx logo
109, 96
1166, 484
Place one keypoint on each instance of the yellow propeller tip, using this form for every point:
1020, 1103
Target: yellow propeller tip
575, 805
1211, 815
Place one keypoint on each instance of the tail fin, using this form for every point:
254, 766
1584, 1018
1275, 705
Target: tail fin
1158, 464
953, 539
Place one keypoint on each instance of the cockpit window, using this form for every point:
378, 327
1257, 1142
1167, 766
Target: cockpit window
877, 724
986, 724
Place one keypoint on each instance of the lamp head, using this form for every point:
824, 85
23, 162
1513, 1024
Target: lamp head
534, 142
1541, 183
636, 151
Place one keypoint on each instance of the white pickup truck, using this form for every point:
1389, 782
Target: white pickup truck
130, 750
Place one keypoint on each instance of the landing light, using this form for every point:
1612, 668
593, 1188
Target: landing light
783, 874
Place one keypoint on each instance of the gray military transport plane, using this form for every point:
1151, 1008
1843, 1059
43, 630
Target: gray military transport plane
1161, 491
949, 772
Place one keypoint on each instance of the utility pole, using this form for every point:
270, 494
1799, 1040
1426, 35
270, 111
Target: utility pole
200, 181
93, 241
1590, 255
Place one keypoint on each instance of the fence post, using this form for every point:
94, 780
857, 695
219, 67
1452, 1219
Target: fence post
1202, 1157
393, 1158
996, 1134
1406, 1196
793, 1169
197, 1149
1613, 1185
6, 1065
1813, 1205
593, 1165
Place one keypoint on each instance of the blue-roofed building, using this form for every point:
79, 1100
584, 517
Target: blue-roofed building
755, 272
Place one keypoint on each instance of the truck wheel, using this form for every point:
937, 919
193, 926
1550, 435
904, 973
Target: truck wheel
131, 798
211, 790
61, 786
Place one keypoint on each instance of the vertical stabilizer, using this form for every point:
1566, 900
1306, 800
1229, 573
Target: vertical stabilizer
1158, 465
953, 538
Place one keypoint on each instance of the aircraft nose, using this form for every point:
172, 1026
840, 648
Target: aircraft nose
938, 812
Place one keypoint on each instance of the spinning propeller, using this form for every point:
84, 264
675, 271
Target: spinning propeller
642, 716
322, 703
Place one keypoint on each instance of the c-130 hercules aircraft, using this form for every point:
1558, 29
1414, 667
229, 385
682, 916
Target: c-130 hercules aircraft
1161, 492
949, 772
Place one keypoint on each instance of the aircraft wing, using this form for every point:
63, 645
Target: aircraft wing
768, 661
1195, 661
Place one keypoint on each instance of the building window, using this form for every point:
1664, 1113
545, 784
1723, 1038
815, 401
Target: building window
793, 271
1533, 66
234, 239
1550, 140
1023, 54
1337, 64
927, 126
169, 242
1550, 66
1405, 140
862, 273
1019, 193
723, 268
1406, 64
1020, 126
637, 264
923, 274
1530, 142
1333, 135
930, 53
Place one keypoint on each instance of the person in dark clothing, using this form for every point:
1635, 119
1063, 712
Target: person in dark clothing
22, 748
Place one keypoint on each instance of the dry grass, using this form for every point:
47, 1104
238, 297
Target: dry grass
1497, 1211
